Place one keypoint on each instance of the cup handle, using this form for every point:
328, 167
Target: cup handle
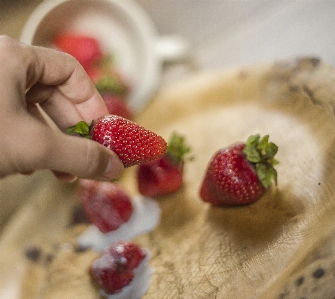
172, 49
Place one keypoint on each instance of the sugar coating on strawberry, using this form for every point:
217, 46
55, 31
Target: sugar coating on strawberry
106, 204
241, 173
114, 269
133, 143
165, 175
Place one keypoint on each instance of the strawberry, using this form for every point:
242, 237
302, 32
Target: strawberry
117, 105
85, 49
114, 269
106, 204
164, 175
241, 173
131, 142
109, 82
106, 78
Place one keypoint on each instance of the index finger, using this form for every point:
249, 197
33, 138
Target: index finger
62, 88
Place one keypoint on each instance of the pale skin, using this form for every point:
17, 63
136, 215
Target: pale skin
34, 78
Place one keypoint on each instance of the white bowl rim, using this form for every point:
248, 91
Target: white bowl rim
150, 79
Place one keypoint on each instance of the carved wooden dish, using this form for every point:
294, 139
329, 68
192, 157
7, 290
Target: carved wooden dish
255, 251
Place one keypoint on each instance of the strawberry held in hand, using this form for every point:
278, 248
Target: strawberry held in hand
241, 173
106, 204
114, 269
131, 142
164, 175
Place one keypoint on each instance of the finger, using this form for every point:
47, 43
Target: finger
64, 177
69, 83
73, 156
60, 109
48, 148
25, 66
27, 172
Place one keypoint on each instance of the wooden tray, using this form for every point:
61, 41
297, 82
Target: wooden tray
199, 251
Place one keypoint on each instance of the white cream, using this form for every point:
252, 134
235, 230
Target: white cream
139, 285
145, 217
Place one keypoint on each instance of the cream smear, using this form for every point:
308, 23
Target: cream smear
145, 217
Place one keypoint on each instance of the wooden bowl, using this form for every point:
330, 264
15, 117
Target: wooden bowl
260, 250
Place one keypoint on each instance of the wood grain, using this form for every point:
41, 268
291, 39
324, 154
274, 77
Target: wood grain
205, 252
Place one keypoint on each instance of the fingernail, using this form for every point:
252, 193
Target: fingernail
114, 168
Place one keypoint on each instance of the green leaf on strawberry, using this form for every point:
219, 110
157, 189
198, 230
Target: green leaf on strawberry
106, 78
109, 83
261, 152
266, 174
81, 128
177, 148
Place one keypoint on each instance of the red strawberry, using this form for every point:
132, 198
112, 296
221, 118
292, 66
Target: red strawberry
117, 105
114, 269
107, 205
131, 142
85, 49
241, 173
164, 175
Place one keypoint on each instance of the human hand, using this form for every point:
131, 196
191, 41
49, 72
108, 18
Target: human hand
42, 92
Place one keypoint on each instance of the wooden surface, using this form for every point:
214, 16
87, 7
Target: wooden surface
221, 35
199, 251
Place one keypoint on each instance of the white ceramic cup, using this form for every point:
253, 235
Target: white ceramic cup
123, 29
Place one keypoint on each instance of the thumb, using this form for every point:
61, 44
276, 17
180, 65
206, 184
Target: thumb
83, 158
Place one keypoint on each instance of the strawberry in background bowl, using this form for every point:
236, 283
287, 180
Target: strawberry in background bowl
122, 29
86, 49
100, 67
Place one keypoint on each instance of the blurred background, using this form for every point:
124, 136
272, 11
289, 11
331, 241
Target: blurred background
224, 33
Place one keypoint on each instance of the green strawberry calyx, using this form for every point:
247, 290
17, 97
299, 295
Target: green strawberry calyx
81, 128
260, 152
110, 83
177, 148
